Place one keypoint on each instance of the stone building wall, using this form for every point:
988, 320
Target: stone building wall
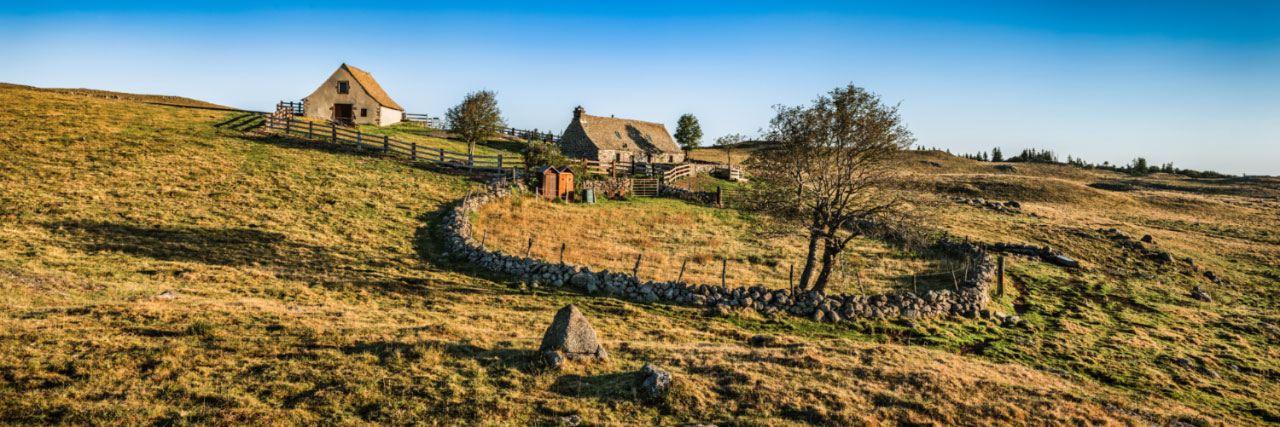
968, 300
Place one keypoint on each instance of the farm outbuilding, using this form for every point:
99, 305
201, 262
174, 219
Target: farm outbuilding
351, 95
555, 183
607, 139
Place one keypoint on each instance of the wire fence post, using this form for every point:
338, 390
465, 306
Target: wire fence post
724, 266
1000, 276
635, 272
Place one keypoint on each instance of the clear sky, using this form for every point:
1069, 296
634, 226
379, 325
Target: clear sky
1196, 84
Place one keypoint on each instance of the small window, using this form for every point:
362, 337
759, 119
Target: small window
344, 87
364, 112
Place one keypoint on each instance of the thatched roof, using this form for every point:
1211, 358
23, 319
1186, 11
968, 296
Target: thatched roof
372, 87
608, 133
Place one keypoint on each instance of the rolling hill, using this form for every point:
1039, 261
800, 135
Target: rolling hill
160, 267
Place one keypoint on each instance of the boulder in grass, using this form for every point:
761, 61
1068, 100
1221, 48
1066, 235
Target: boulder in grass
654, 381
572, 336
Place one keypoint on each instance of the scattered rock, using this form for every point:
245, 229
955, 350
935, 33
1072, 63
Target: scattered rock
1148, 239
1052, 370
655, 381
1062, 260
554, 359
1164, 257
1006, 168
1013, 204
908, 323
168, 294
572, 335
571, 420
763, 341
1200, 294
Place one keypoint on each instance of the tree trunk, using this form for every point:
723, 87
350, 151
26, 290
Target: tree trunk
471, 148
829, 255
810, 261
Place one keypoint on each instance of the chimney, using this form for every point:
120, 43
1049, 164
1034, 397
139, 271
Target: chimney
578, 112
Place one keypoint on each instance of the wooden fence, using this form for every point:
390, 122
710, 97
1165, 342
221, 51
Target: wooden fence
289, 109
677, 172
425, 120
412, 150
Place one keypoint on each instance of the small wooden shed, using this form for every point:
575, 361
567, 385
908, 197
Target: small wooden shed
555, 182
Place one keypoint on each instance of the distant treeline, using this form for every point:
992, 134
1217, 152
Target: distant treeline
1136, 167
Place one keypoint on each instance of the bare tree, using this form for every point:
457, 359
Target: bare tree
831, 165
728, 143
476, 119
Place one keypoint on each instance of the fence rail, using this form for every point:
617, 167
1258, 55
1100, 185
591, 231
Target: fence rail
388, 145
677, 172
425, 120
289, 109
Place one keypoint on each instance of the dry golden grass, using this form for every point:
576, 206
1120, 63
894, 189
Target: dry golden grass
311, 291
666, 232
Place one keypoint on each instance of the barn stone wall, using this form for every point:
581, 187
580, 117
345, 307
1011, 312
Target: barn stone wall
968, 300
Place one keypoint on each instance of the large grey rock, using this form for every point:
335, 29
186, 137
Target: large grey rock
581, 280
655, 381
572, 336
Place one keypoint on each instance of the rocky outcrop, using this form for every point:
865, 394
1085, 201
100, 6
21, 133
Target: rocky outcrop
969, 297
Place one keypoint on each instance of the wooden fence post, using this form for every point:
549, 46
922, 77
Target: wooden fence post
359, 138
681, 276
635, 272
333, 133
724, 265
288, 124
791, 279
440, 151
484, 237
562, 254
530, 248
413, 148
1000, 276
386, 144
719, 197
499, 162
309, 130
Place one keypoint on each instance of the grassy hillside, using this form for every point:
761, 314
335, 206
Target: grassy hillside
310, 289
610, 235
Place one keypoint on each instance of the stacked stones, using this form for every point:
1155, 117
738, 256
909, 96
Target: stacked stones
610, 186
967, 300
704, 197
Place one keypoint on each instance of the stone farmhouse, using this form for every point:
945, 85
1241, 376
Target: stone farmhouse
607, 139
351, 95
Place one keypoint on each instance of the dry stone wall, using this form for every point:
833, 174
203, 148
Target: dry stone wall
968, 300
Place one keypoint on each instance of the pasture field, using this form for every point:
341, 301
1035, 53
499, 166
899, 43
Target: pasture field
157, 268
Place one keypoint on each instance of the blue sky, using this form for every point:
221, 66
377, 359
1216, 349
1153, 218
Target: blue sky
1196, 84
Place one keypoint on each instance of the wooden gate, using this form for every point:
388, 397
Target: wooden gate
644, 187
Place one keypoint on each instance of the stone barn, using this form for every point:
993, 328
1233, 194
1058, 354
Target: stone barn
351, 95
607, 139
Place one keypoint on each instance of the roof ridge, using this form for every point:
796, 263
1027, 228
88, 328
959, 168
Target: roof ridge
629, 120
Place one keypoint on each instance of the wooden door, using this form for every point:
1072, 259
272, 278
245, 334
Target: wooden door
342, 113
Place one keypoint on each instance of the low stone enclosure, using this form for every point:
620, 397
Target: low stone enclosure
968, 299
